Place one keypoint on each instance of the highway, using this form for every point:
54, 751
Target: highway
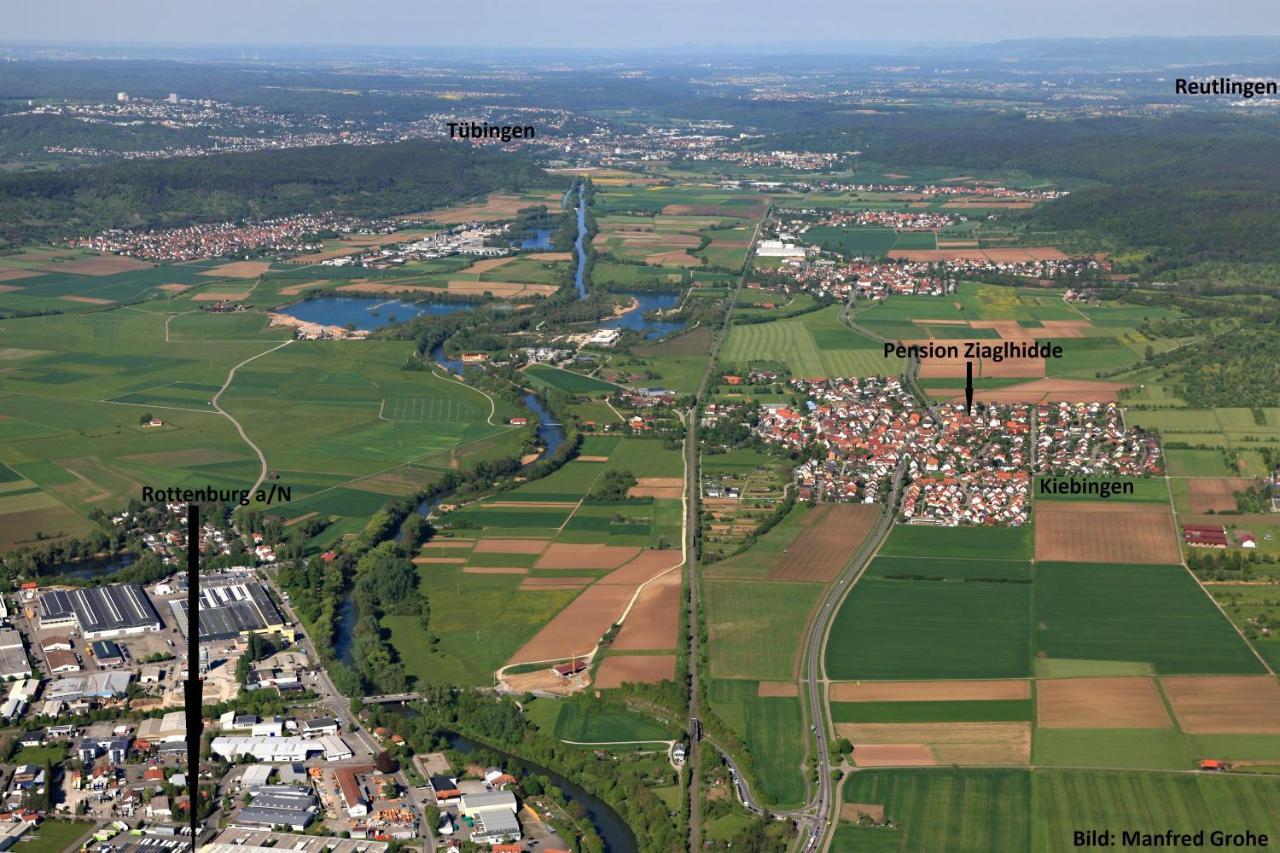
816, 830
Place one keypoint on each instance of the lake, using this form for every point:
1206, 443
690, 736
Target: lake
635, 318
537, 238
368, 313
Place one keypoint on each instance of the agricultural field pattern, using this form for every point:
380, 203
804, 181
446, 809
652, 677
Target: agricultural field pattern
619, 453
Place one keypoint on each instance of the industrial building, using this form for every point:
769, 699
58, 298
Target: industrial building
493, 816
13, 655
101, 613
282, 749
233, 609
271, 806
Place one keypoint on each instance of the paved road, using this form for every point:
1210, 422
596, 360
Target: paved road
823, 804
816, 828
262, 459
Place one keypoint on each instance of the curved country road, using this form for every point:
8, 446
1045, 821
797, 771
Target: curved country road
262, 459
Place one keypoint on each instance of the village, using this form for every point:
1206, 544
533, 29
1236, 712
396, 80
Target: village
960, 468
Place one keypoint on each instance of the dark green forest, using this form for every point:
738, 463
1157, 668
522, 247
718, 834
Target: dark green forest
378, 180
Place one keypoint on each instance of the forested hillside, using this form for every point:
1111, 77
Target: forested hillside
378, 180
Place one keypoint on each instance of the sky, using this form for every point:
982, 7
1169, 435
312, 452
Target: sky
613, 24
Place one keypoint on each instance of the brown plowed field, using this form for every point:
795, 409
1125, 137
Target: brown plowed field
295, 289
709, 210
928, 691
951, 743
654, 620
643, 669
593, 458
1216, 494
1100, 703
511, 546
1225, 704
854, 812
489, 264
496, 206
830, 535
783, 689
222, 296
495, 570
543, 583
648, 565
102, 265
239, 269
501, 289
576, 629
562, 556
657, 487
673, 259
90, 300
14, 275
892, 755
1098, 532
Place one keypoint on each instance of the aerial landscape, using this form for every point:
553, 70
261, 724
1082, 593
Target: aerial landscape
552, 435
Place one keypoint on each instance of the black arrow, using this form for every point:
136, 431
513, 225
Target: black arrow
194, 688
968, 387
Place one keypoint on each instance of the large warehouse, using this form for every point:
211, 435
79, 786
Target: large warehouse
231, 610
104, 612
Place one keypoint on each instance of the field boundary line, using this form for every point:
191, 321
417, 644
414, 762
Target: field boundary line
493, 405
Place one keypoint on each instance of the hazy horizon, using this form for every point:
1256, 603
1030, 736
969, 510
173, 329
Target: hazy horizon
660, 24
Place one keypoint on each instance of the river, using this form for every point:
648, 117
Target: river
580, 245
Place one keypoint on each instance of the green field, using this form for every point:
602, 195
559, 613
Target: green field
813, 344
1145, 489
907, 629
966, 811
569, 720
1065, 801
773, 731
468, 653
975, 711
1138, 749
993, 543
1015, 810
53, 836
1096, 612
755, 626
546, 376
